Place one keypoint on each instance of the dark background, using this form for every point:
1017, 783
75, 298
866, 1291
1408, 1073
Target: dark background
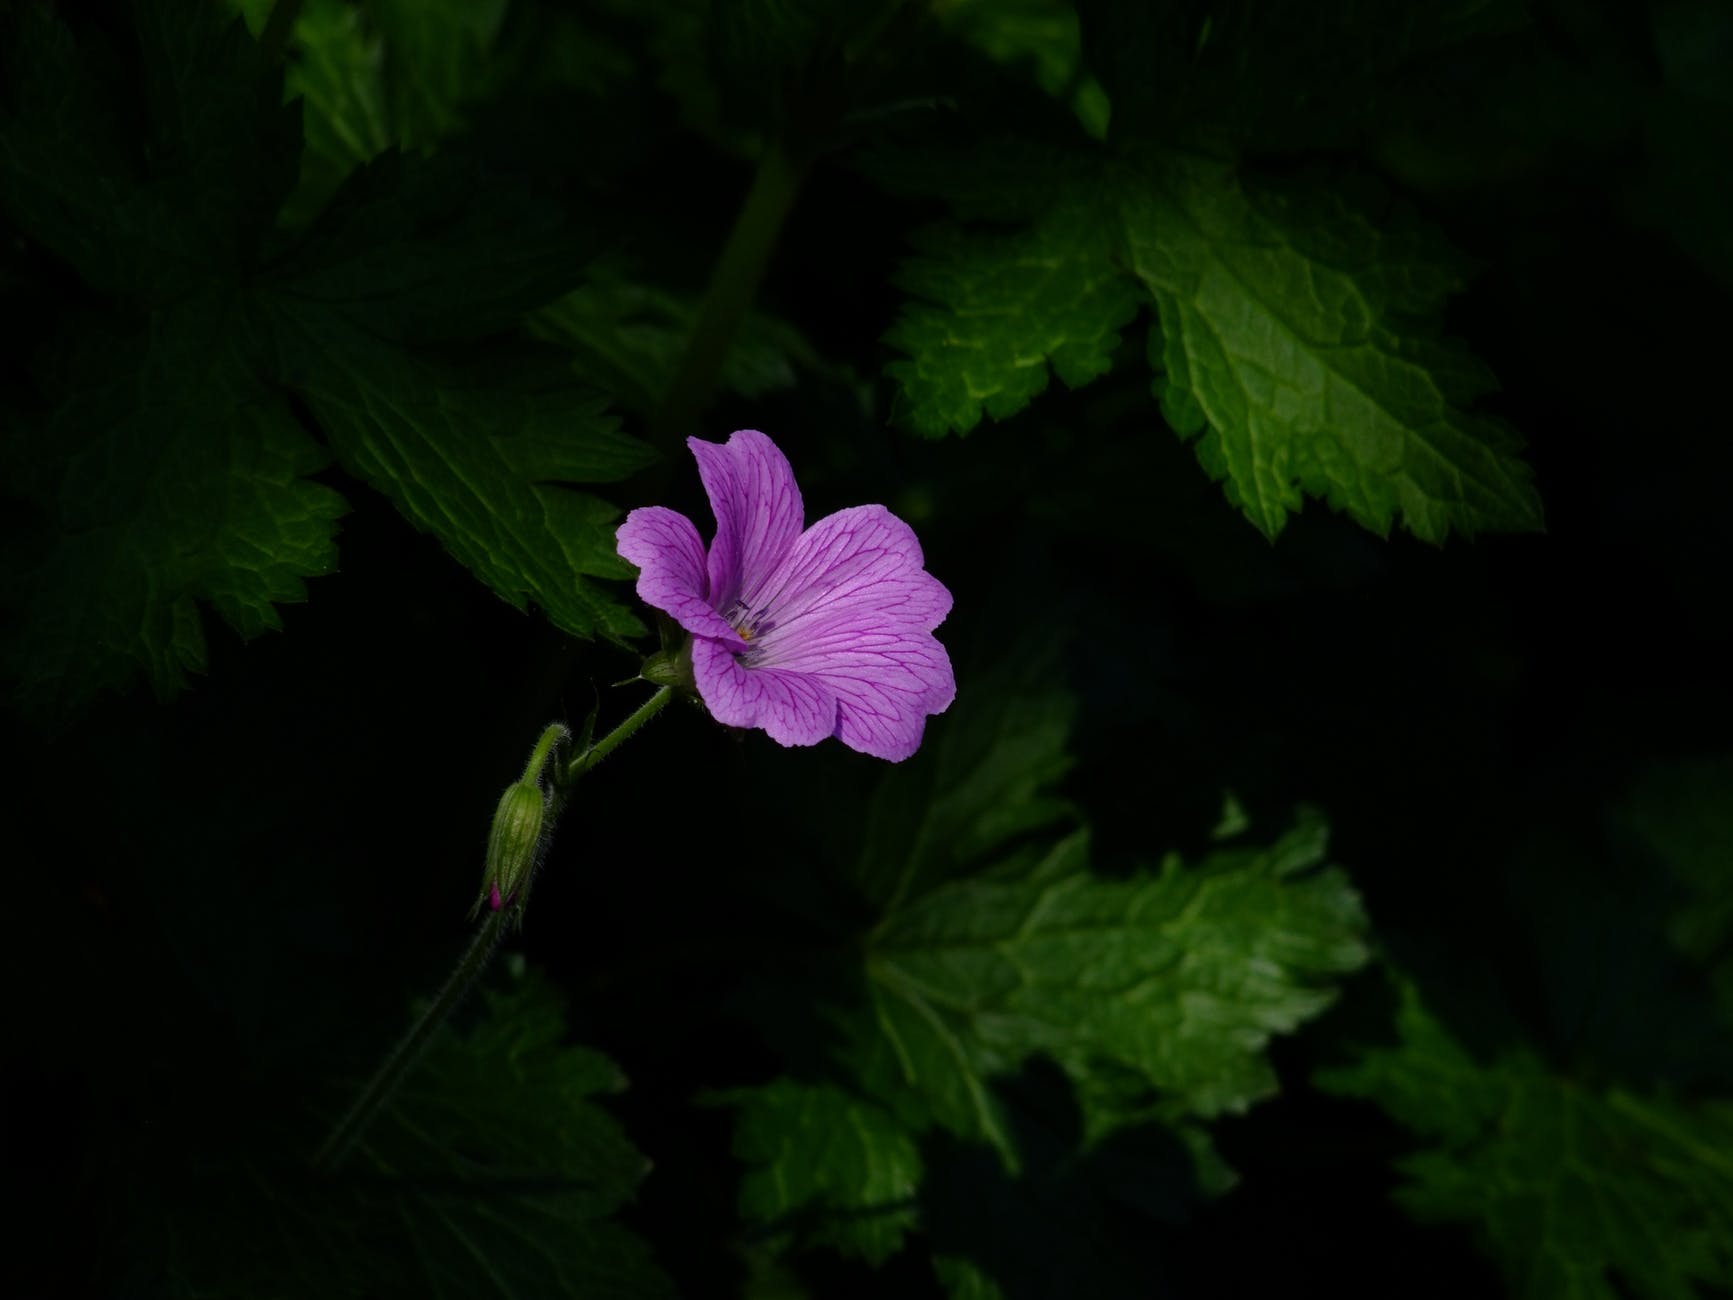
216, 897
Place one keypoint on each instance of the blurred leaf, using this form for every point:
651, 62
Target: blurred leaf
964, 1280
1681, 814
153, 196
1296, 332
1296, 75
826, 1167
627, 338
168, 463
436, 55
1575, 1192
155, 495
492, 1173
1042, 36
163, 470
417, 254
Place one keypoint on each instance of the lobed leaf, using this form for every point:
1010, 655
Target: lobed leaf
1296, 338
493, 1172
1576, 1192
149, 496
1293, 340
825, 1167
1179, 977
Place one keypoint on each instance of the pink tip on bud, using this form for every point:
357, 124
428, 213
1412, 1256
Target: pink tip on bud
493, 899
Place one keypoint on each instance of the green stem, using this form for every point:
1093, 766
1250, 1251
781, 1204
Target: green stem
734, 282
553, 734
481, 948
583, 762
410, 1047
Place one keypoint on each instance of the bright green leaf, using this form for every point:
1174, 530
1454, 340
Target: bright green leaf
1178, 977
825, 1166
1578, 1193
1296, 332
1156, 993
993, 312
1289, 322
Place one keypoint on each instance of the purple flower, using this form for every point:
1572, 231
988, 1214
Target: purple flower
806, 632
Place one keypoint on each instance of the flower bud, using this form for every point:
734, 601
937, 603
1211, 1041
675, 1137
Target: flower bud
513, 844
671, 668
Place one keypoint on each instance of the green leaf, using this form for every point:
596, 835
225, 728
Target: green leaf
436, 55
413, 256
149, 197
627, 338
151, 496
1178, 978
964, 1279
1296, 333
1681, 815
493, 1172
994, 312
482, 455
826, 1167
1576, 1192
170, 467
1042, 36
1156, 993
1289, 322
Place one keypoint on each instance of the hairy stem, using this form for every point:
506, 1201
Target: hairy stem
583, 762
555, 733
409, 1048
372, 1098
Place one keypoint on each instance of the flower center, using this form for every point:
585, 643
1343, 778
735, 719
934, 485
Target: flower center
749, 624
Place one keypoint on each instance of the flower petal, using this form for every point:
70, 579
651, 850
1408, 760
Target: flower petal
793, 708
665, 546
885, 680
758, 512
862, 559
853, 608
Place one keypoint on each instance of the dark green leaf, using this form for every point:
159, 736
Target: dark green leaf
1681, 814
482, 456
825, 1167
1578, 1193
493, 1172
627, 338
147, 199
152, 495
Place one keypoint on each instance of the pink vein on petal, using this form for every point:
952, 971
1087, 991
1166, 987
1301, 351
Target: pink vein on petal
665, 546
759, 513
793, 708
